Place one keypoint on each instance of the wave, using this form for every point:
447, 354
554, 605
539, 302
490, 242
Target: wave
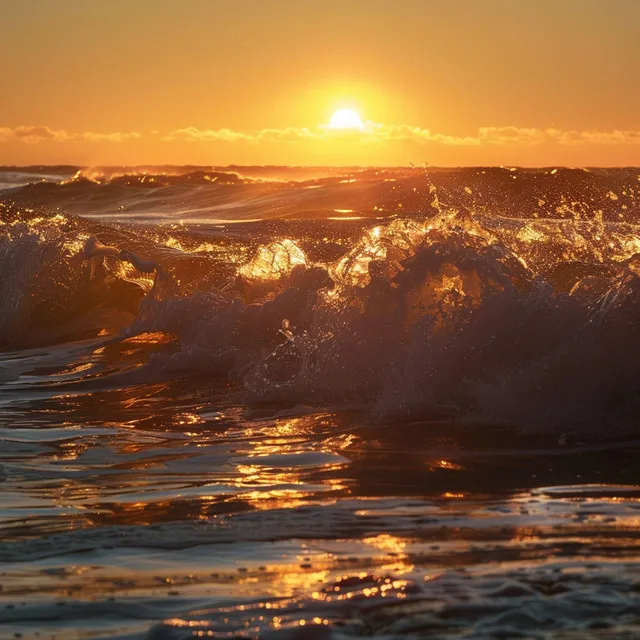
450, 312
13, 178
440, 318
209, 196
145, 179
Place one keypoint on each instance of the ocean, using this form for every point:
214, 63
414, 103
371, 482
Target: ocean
286, 402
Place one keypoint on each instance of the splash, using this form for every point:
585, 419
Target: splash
443, 316
274, 261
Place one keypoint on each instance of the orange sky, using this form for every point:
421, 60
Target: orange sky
449, 82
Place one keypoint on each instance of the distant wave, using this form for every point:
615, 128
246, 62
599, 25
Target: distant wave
154, 180
200, 195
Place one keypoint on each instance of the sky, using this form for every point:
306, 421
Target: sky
447, 82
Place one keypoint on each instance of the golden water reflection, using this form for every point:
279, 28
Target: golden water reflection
154, 461
184, 450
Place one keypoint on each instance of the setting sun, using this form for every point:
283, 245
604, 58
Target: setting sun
345, 119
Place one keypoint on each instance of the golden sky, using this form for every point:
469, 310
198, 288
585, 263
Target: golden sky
449, 82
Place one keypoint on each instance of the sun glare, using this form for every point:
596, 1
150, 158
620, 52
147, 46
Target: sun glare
345, 119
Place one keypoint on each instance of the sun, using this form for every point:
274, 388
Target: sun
346, 119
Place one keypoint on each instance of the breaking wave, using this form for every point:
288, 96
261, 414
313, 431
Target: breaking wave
441, 309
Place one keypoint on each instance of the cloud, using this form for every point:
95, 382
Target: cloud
290, 134
520, 136
527, 137
505, 136
616, 137
416, 134
375, 132
193, 134
33, 134
371, 132
90, 136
